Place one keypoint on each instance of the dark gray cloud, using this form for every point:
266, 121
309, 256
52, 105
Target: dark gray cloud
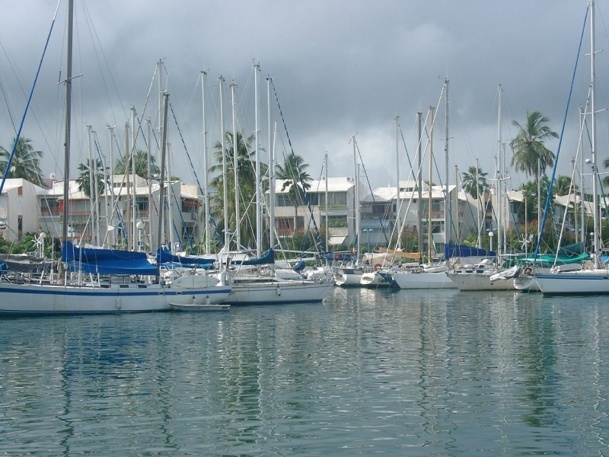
341, 68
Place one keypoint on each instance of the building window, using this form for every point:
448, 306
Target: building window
337, 199
141, 203
49, 207
19, 227
283, 200
314, 199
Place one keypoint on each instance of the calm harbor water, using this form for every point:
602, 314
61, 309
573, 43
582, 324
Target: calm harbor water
440, 373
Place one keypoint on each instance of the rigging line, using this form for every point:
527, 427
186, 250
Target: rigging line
110, 186
29, 100
196, 176
99, 51
317, 234
145, 107
4, 93
471, 212
380, 218
562, 131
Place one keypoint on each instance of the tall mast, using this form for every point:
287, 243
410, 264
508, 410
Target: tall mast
109, 188
326, 199
500, 180
162, 181
92, 189
271, 168
456, 219
233, 90
447, 200
66, 165
159, 70
257, 161
356, 197
397, 193
419, 188
432, 116
206, 165
133, 183
127, 160
224, 183
479, 204
596, 236
149, 163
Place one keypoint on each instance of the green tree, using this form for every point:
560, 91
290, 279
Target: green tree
141, 165
296, 181
95, 169
564, 186
530, 154
25, 163
529, 192
246, 175
474, 182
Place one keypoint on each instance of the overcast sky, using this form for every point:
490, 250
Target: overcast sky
341, 68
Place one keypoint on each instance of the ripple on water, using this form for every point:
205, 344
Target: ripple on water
368, 372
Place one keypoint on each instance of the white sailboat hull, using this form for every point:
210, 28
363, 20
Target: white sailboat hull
374, 280
278, 292
348, 277
479, 281
423, 280
574, 282
116, 298
526, 283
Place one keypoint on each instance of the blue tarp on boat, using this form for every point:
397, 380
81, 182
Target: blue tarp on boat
265, 259
106, 261
163, 256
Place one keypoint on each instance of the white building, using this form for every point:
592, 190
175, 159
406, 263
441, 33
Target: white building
332, 204
18, 209
125, 214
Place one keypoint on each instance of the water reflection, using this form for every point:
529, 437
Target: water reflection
394, 373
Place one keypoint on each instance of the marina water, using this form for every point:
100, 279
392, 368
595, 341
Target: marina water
429, 373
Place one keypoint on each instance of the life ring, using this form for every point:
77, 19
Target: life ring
377, 266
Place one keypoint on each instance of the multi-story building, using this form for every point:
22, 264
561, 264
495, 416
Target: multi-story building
332, 203
18, 214
385, 212
125, 213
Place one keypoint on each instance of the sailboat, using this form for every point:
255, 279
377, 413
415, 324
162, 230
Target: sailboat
594, 280
100, 280
267, 287
489, 273
421, 276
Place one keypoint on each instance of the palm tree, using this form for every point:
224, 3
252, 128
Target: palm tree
474, 183
141, 165
84, 179
247, 182
296, 181
25, 163
530, 154
564, 186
